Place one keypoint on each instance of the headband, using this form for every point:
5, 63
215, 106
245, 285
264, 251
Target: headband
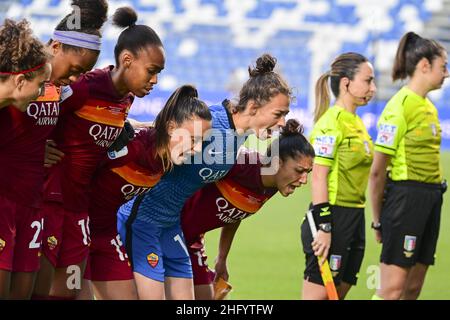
78, 39
24, 71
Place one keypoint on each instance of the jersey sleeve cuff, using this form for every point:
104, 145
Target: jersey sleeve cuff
385, 150
323, 161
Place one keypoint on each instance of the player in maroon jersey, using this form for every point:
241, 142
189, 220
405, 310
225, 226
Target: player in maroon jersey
22, 150
149, 156
96, 107
240, 195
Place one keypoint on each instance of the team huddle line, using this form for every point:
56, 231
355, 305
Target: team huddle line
127, 204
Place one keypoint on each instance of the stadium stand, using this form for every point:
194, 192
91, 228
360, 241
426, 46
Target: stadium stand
210, 43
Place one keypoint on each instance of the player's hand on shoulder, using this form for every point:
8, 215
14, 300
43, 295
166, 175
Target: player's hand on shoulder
52, 154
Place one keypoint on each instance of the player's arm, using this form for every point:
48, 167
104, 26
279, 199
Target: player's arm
52, 154
226, 239
139, 124
392, 128
321, 244
128, 133
377, 182
72, 98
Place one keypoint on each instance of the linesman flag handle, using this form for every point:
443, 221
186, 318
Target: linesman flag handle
325, 271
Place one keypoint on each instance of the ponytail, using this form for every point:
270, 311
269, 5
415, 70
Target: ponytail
136, 36
182, 105
264, 84
322, 96
411, 49
93, 14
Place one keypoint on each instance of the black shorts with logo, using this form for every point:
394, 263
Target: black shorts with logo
348, 240
410, 220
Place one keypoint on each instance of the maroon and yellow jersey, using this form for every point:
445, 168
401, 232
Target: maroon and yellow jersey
236, 197
22, 147
94, 116
138, 171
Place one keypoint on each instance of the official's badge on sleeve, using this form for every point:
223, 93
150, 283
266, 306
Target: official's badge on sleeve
324, 146
386, 135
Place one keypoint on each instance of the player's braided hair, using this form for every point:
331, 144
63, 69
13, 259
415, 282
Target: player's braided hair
93, 14
182, 105
136, 36
411, 49
19, 49
345, 65
292, 143
262, 85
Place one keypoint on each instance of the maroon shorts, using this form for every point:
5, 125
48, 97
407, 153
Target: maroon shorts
66, 235
107, 260
202, 274
20, 237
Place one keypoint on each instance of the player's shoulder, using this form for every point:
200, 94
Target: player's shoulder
221, 117
98, 82
248, 156
145, 135
216, 108
328, 122
401, 101
96, 74
396, 108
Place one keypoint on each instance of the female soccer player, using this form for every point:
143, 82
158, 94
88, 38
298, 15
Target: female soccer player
154, 239
22, 173
344, 152
23, 71
23, 65
96, 109
408, 141
240, 195
151, 154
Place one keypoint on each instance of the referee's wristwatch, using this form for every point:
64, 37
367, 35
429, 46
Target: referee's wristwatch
325, 227
376, 226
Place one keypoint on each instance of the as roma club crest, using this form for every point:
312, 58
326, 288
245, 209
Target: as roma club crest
153, 259
2, 244
52, 242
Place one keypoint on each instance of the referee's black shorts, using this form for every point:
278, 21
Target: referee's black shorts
348, 241
410, 220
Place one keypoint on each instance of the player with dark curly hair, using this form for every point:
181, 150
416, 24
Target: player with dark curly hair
23, 65
22, 173
240, 195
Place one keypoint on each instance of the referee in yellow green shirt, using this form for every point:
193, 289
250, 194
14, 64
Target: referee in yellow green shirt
344, 152
407, 148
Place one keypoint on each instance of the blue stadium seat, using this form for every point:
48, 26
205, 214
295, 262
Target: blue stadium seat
221, 50
178, 4
219, 4
264, 9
